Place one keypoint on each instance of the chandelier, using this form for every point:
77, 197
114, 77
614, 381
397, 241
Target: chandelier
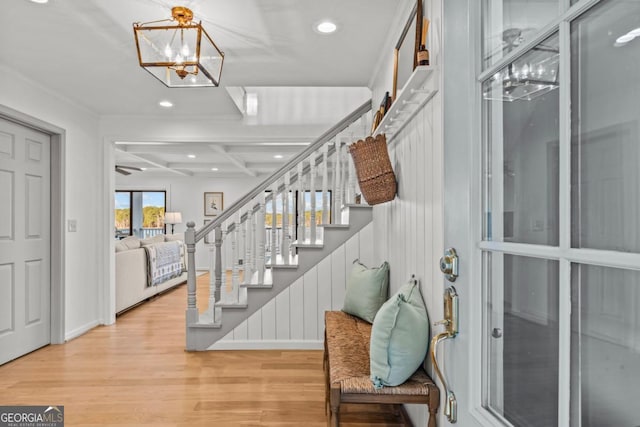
180, 54
526, 78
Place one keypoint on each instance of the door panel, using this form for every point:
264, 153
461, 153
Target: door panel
6, 209
7, 292
25, 276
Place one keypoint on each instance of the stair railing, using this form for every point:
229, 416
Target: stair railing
242, 225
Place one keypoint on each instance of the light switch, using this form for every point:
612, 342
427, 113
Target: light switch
72, 225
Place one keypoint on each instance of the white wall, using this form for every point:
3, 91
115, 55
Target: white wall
408, 230
186, 194
295, 317
83, 181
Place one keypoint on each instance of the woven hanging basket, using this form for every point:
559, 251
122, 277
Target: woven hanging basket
373, 167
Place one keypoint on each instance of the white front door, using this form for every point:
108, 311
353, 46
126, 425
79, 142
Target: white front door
25, 277
542, 196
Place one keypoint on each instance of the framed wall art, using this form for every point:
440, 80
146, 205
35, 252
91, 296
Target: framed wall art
405, 58
213, 203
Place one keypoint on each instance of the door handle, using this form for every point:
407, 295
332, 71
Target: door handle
450, 323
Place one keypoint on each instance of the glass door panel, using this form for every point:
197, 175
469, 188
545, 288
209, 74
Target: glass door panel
605, 346
522, 339
605, 59
521, 107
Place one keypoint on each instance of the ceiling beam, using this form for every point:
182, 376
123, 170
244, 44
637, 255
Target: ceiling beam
154, 163
239, 163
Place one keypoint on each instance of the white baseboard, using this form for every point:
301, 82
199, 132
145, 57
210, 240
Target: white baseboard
81, 330
267, 345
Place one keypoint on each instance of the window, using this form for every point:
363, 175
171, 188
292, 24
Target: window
139, 213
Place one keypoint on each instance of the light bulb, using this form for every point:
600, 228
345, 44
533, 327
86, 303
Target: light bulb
179, 59
167, 51
185, 50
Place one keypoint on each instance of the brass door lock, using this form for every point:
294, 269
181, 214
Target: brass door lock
449, 264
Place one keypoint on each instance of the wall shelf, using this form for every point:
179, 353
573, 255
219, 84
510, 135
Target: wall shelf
419, 89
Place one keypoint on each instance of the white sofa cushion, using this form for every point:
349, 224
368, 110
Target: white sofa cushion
151, 240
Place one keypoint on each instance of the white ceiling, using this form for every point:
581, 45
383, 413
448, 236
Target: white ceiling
85, 51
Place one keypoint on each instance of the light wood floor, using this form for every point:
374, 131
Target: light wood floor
137, 373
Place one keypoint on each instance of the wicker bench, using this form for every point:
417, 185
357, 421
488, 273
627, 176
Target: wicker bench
346, 368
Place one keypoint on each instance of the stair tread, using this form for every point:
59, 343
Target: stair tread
239, 305
256, 285
205, 321
308, 244
334, 225
292, 266
354, 205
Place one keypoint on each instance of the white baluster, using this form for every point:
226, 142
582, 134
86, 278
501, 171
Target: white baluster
337, 181
286, 239
352, 180
260, 232
312, 196
248, 261
325, 183
224, 292
212, 276
235, 266
301, 205
274, 225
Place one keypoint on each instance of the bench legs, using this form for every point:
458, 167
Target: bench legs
334, 398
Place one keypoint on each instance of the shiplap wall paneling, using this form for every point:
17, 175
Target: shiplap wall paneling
240, 332
269, 320
296, 314
338, 282
283, 328
324, 293
408, 230
310, 304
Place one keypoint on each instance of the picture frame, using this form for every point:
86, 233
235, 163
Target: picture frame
405, 54
213, 203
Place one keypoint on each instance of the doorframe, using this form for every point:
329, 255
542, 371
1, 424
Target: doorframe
57, 214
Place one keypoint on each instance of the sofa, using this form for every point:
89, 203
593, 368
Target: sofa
134, 283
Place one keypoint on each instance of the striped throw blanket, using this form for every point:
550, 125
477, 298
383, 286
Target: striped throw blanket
163, 261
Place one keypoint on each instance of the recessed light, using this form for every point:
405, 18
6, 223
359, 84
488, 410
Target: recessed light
326, 27
214, 169
40, 1
144, 169
166, 104
191, 156
278, 156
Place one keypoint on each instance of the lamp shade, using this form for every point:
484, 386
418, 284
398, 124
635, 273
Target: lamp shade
180, 55
173, 218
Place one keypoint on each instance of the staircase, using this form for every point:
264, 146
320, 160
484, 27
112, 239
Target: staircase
278, 231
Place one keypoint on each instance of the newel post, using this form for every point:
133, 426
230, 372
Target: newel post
192, 316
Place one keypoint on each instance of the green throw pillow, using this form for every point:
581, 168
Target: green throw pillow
367, 290
399, 337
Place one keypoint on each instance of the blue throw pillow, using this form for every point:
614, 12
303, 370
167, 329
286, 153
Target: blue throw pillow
399, 337
367, 290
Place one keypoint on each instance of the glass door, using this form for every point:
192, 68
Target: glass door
561, 200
